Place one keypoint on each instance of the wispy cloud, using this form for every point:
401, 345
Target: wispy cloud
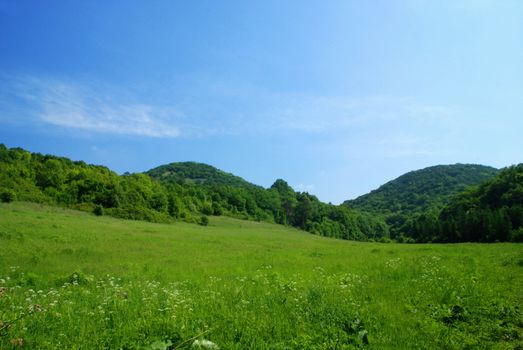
390, 125
83, 107
401, 153
377, 126
331, 114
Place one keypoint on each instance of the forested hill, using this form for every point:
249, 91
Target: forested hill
418, 190
424, 205
492, 211
178, 191
193, 172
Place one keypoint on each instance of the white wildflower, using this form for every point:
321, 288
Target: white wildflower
204, 344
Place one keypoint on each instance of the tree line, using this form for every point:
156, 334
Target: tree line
60, 181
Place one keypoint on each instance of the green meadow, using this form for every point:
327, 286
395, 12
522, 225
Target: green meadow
73, 280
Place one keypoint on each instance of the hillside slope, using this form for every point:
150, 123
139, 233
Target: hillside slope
420, 190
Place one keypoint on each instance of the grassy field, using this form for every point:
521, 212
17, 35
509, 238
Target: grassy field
72, 280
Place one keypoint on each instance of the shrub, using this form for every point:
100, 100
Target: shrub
384, 239
405, 239
87, 207
204, 220
517, 235
207, 209
98, 210
7, 196
217, 209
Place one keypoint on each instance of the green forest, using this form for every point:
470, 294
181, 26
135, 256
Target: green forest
420, 191
454, 203
451, 203
182, 191
490, 212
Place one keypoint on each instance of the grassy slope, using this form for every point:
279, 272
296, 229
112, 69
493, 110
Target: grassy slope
253, 285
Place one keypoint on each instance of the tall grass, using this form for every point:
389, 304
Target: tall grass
73, 280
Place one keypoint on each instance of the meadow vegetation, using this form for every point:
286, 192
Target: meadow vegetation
70, 279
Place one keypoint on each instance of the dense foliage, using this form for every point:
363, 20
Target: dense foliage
421, 206
186, 191
492, 211
418, 191
197, 173
226, 194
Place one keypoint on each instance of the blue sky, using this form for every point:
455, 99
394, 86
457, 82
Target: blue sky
336, 97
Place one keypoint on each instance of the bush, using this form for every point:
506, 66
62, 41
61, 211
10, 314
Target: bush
87, 207
7, 196
98, 210
204, 220
207, 209
385, 240
517, 235
217, 209
405, 239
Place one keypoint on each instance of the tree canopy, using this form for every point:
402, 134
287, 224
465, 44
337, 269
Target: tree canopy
178, 191
420, 191
489, 212
436, 204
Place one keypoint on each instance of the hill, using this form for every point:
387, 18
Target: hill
492, 211
193, 172
69, 279
178, 191
190, 192
420, 190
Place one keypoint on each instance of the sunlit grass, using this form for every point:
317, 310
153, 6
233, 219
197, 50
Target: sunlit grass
73, 280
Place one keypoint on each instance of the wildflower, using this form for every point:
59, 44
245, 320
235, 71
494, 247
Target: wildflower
17, 342
204, 344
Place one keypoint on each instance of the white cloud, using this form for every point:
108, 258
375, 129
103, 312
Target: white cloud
377, 126
83, 107
379, 122
340, 114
